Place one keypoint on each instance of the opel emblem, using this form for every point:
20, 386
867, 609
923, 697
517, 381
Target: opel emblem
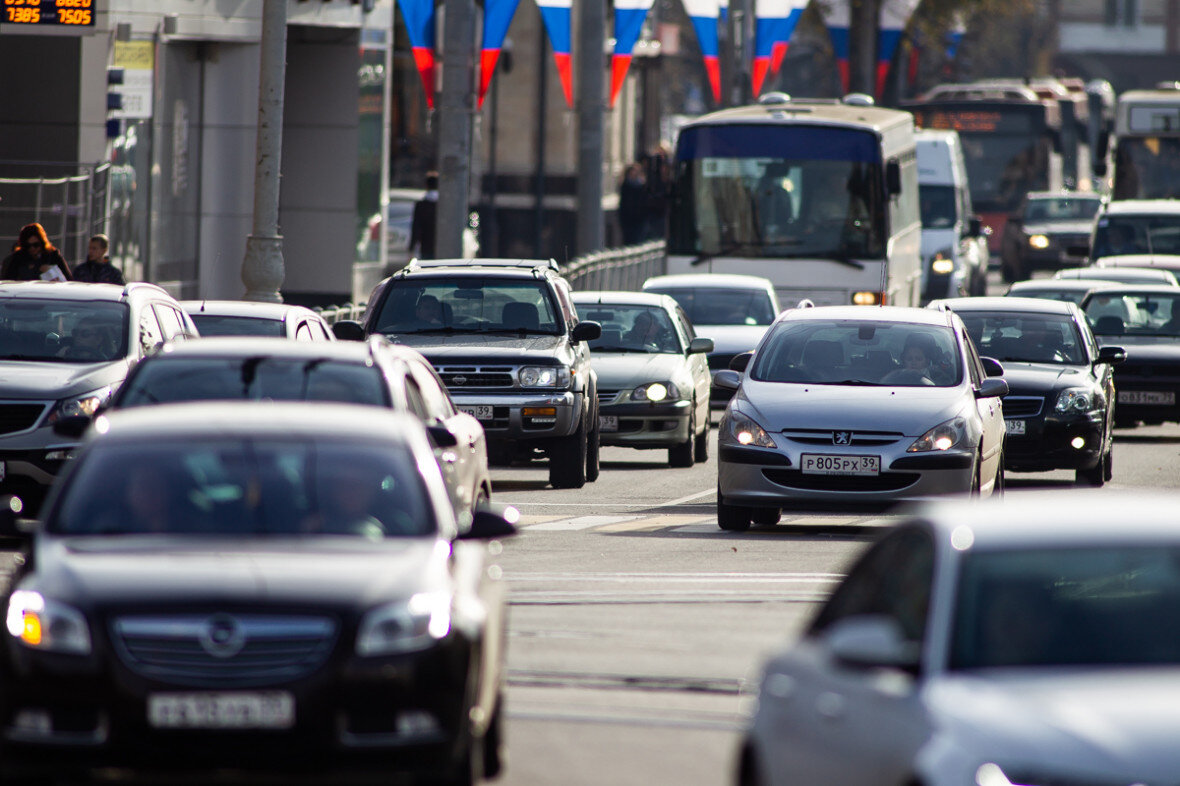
841, 437
222, 636
460, 380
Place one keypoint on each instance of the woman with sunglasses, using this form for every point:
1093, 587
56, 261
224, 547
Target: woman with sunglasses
34, 258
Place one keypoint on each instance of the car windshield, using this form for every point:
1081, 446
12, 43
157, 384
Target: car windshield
1075, 296
937, 204
1025, 338
209, 325
1050, 209
62, 331
469, 304
632, 329
1130, 314
164, 379
1117, 235
722, 306
860, 352
1098, 606
245, 487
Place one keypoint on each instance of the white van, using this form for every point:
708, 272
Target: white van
954, 248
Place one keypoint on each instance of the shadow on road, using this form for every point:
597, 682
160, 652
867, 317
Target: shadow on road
519, 485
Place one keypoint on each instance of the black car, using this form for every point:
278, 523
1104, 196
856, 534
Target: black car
1048, 233
506, 339
260, 586
1145, 319
1060, 409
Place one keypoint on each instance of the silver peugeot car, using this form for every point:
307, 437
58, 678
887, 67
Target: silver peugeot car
858, 404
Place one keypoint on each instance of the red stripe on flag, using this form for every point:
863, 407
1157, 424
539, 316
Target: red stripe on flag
777, 55
566, 72
487, 69
713, 71
424, 60
618, 67
845, 75
761, 66
882, 75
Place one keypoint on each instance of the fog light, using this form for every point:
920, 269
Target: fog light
539, 412
1078, 442
38, 721
1039, 241
868, 298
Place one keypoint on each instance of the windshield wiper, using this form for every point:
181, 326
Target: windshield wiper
444, 329
849, 261
709, 256
519, 331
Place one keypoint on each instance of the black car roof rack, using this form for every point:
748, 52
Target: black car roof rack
523, 264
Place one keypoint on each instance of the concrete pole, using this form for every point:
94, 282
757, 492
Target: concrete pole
738, 89
455, 111
262, 269
864, 22
591, 108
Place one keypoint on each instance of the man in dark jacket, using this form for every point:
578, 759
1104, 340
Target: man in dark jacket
97, 269
425, 214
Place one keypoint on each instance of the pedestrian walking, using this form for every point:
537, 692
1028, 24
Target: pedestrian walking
34, 258
633, 205
422, 226
97, 269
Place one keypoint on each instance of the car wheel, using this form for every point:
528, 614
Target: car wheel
593, 451
731, 517
684, 455
1108, 473
766, 517
1001, 479
700, 448
567, 460
975, 478
1095, 476
493, 742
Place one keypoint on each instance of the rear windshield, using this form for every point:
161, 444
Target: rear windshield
469, 304
62, 331
166, 379
716, 306
209, 325
247, 487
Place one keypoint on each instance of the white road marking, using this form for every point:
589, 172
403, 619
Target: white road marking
580, 522
689, 498
780, 578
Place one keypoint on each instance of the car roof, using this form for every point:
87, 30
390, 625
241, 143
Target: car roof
311, 420
1064, 195
1142, 207
73, 290
709, 281
507, 268
243, 308
1114, 272
591, 297
899, 314
1031, 305
1061, 284
1146, 289
251, 346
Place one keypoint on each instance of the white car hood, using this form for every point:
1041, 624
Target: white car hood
732, 339
619, 370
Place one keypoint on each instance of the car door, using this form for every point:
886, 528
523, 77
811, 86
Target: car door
698, 365
832, 724
467, 460
991, 416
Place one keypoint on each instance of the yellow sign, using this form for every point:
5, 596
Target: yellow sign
135, 55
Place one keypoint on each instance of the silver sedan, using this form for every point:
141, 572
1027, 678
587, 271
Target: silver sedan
846, 403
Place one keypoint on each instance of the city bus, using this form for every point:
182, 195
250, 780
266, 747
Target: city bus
1012, 141
1147, 144
819, 196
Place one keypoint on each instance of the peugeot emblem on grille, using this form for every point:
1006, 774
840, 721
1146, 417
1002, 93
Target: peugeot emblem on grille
460, 380
222, 636
841, 437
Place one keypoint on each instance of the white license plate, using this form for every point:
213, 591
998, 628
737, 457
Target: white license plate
821, 464
269, 710
1160, 398
608, 423
1014, 426
479, 413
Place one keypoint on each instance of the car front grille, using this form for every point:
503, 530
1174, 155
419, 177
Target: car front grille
607, 396
459, 377
829, 437
1022, 406
223, 649
20, 417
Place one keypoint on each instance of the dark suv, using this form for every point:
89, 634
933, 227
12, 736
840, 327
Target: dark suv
65, 348
506, 340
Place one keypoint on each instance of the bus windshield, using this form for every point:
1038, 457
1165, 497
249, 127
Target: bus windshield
769, 191
1002, 168
1147, 168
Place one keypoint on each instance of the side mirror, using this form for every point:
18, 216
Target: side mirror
585, 331
740, 362
348, 330
992, 367
1111, 355
441, 436
893, 178
992, 388
727, 380
871, 641
975, 227
491, 521
72, 427
700, 346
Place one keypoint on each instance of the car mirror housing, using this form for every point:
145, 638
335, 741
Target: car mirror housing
491, 521
348, 330
992, 367
727, 379
992, 388
700, 346
871, 641
739, 362
441, 436
1111, 355
585, 331
72, 426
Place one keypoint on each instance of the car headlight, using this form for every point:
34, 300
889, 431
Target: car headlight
1039, 242
656, 392
86, 404
943, 262
544, 377
405, 626
1074, 400
736, 427
944, 436
47, 625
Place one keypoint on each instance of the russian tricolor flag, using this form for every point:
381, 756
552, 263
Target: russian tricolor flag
837, 17
704, 15
556, 15
629, 16
419, 18
497, 16
768, 17
954, 36
895, 15
786, 30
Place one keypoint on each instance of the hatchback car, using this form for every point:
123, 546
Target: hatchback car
1051, 232
374, 373
653, 381
1023, 642
260, 587
248, 318
1059, 412
850, 404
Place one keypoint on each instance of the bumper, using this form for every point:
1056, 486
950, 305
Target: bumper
558, 414
1047, 445
646, 425
34, 457
1147, 390
757, 477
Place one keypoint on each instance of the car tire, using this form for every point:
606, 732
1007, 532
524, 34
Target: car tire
766, 517
976, 479
593, 453
1108, 473
567, 460
732, 518
493, 742
700, 447
683, 455
1001, 481
1094, 477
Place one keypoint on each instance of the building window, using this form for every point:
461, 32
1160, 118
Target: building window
1122, 13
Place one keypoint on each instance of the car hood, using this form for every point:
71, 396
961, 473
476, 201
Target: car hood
732, 339
493, 347
21, 379
911, 410
618, 370
1112, 725
133, 571
1167, 261
1039, 377
1145, 349
1059, 228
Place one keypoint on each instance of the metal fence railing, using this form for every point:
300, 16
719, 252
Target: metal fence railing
71, 207
618, 269
334, 314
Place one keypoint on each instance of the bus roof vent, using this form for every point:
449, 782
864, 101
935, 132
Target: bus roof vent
859, 99
1167, 85
774, 98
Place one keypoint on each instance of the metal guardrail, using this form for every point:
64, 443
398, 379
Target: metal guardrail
334, 314
617, 269
70, 207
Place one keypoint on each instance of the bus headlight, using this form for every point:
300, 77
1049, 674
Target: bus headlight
943, 263
868, 298
1038, 242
